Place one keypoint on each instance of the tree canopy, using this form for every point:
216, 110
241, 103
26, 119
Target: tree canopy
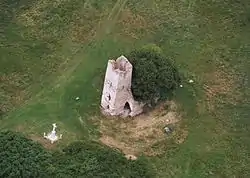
154, 76
21, 157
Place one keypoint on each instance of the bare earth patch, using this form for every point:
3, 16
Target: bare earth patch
46, 144
37, 138
134, 136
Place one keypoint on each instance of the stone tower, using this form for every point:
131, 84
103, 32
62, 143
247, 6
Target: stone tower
117, 98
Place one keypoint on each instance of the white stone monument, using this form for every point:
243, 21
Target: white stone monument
117, 98
52, 135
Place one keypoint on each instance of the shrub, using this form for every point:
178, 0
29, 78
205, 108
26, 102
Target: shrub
154, 76
94, 160
21, 157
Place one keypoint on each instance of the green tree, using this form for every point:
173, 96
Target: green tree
154, 76
81, 159
21, 157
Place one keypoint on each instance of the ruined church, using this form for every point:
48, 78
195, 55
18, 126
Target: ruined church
117, 98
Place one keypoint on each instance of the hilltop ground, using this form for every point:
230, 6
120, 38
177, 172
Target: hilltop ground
54, 51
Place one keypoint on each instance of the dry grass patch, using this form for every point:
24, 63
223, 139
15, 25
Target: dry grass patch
45, 143
82, 32
140, 134
61, 19
132, 23
13, 92
32, 18
221, 83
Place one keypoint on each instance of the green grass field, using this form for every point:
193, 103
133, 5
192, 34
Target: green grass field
54, 51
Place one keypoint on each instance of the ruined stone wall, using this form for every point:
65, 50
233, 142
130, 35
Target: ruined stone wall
117, 88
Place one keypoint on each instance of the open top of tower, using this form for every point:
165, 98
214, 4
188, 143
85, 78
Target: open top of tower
121, 64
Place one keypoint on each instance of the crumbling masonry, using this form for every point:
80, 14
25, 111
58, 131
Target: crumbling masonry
117, 97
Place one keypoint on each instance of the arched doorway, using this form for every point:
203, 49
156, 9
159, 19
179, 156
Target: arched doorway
127, 107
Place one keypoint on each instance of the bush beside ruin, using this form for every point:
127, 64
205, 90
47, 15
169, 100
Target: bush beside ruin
154, 76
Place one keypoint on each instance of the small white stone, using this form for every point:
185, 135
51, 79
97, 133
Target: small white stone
131, 157
181, 86
77, 98
191, 81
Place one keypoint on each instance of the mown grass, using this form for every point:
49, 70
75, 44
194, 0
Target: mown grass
64, 48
